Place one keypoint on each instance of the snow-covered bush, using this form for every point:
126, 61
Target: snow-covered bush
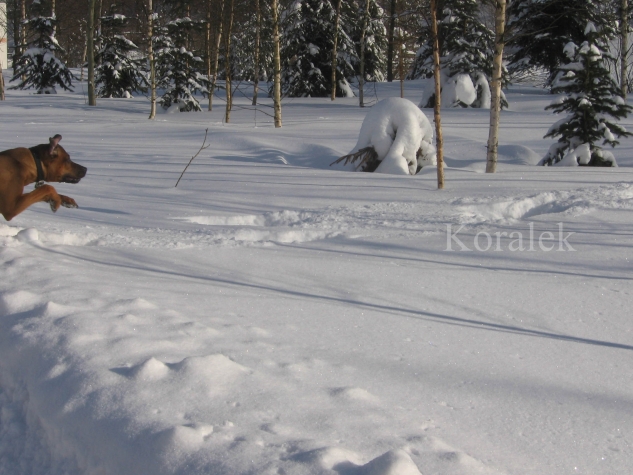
594, 104
399, 136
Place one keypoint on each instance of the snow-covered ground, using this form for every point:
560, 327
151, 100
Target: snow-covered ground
272, 315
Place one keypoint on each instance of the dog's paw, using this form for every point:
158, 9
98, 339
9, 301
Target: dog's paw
54, 206
68, 202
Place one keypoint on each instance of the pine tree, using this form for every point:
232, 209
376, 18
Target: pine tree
593, 101
466, 46
178, 70
375, 40
120, 69
307, 49
244, 46
39, 67
540, 31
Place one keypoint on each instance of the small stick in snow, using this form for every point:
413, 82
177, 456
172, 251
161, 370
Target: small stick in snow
201, 149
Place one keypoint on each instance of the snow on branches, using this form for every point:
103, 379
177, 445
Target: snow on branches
593, 102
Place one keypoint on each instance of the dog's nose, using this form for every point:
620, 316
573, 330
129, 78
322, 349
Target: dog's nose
81, 171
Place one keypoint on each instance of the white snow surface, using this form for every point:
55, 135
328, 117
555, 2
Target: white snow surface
272, 315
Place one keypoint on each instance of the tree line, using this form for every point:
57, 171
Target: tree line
178, 51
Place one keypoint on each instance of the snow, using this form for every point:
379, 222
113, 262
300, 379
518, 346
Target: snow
458, 89
272, 315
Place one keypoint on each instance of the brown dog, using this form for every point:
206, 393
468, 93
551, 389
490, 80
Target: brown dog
21, 166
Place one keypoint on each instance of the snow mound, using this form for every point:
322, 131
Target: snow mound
19, 301
354, 395
518, 155
397, 129
394, 462
150, 370
28, 235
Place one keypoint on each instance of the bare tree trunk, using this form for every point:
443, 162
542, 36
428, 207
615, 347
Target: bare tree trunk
1, 84
258, 27
390, 40
495, 86
90, 32
152, 60
22, 30
401, 67
277, 66
216, 54
439, 139
83, 58
16, 31
337, 20
624, 45
207, 47
363, 35
227, 62
54, 15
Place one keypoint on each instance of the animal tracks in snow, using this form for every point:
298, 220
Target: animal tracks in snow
563, 203
376, 220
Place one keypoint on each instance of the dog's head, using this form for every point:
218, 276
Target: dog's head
59, 166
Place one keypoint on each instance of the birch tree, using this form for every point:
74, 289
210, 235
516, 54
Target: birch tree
227, 59
90, 37
3, 28
363, 35
258, 28
391, 38
495, 86
624, 45
213, 57
437, 73
337, 21
150, 56
277, 65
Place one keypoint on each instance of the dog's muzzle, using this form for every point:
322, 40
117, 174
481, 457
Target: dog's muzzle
77, 174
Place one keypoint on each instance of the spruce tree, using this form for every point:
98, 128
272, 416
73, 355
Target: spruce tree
121, 70
39, 67
307, 50
178, 70
593, 101
540, 29
375, 39
244, 46
466, 47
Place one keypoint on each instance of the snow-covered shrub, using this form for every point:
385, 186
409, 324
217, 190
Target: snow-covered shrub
400, 135
593, 101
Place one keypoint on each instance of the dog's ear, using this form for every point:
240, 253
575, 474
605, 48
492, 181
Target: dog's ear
54, 141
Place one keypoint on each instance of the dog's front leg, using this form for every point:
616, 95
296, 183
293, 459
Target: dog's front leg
45, 193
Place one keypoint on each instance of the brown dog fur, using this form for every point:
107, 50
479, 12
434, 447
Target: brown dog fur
18, 168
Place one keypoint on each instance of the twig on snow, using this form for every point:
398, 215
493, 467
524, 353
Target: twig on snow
206, 131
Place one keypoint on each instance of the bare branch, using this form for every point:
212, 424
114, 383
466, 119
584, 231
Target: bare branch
201, 149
